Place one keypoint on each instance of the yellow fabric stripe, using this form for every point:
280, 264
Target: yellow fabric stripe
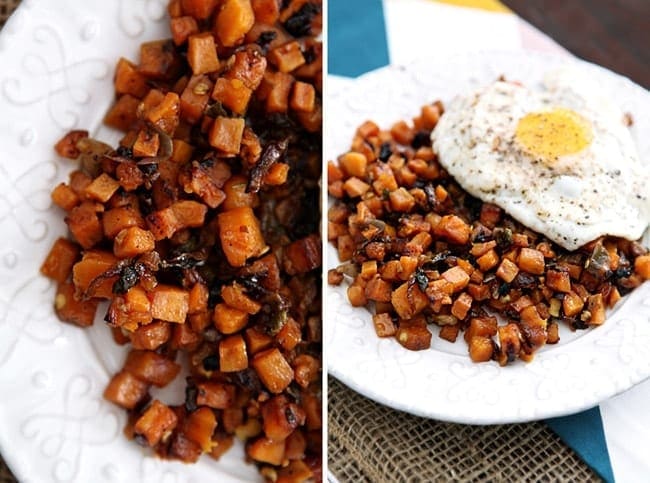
489, 5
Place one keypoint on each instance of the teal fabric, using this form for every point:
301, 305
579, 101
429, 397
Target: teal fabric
585, 434
356, 37
357, 44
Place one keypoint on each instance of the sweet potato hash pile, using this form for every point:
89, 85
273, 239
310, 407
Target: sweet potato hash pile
418, 251
201, 230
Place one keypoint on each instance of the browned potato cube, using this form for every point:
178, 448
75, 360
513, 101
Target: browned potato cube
414, 334
232, 354
273, 369
481, 349
126, 390
384, 326
157, 420
151, 367
216, 395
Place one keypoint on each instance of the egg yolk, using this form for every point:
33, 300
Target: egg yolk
551, 134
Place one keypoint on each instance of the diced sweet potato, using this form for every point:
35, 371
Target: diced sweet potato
102, 188
241, 236
558, 280
297, 471
273, 369
165, 114
378, 290
59, 261
202, 53
642, 266
461, 306
481, 349
133, 241
182, 28
257, 341
64, 197
277, 175
169, 303
199, 9
226, 134
195, 98
408, 300
313, 411
507, 270
151, 367
158, 60
488, 261
229, 320
84, 224
449, 332
266, 450
220, 444
290, 335
157, 420
413, 334
249, 66
287, 57
67, 145
266, 11
306, 369
384, 326
232, 93
129, 176
401, 200
531, 261
163, 223
509, 343
128, 80
198, 298
93, 264
303, 255
232, 354
151, 336
69, 309
354, 164
596, 308
572, 304
303, 97
123, 114
457, 277
216, 395
355, 187
126, 390
234, 295
117, 219
281, 417
146, 144
189, 214
553, 333
277, 99
236, 194
233, 21
199, 426
183, 448
453, 229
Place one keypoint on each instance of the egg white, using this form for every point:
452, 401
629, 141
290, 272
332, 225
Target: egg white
571, 199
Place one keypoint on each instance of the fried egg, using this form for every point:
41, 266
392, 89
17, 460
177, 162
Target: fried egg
559, 160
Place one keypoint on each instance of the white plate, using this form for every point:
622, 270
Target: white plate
583, 369
57, 61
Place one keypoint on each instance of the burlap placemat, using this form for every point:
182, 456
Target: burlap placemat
370, 442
